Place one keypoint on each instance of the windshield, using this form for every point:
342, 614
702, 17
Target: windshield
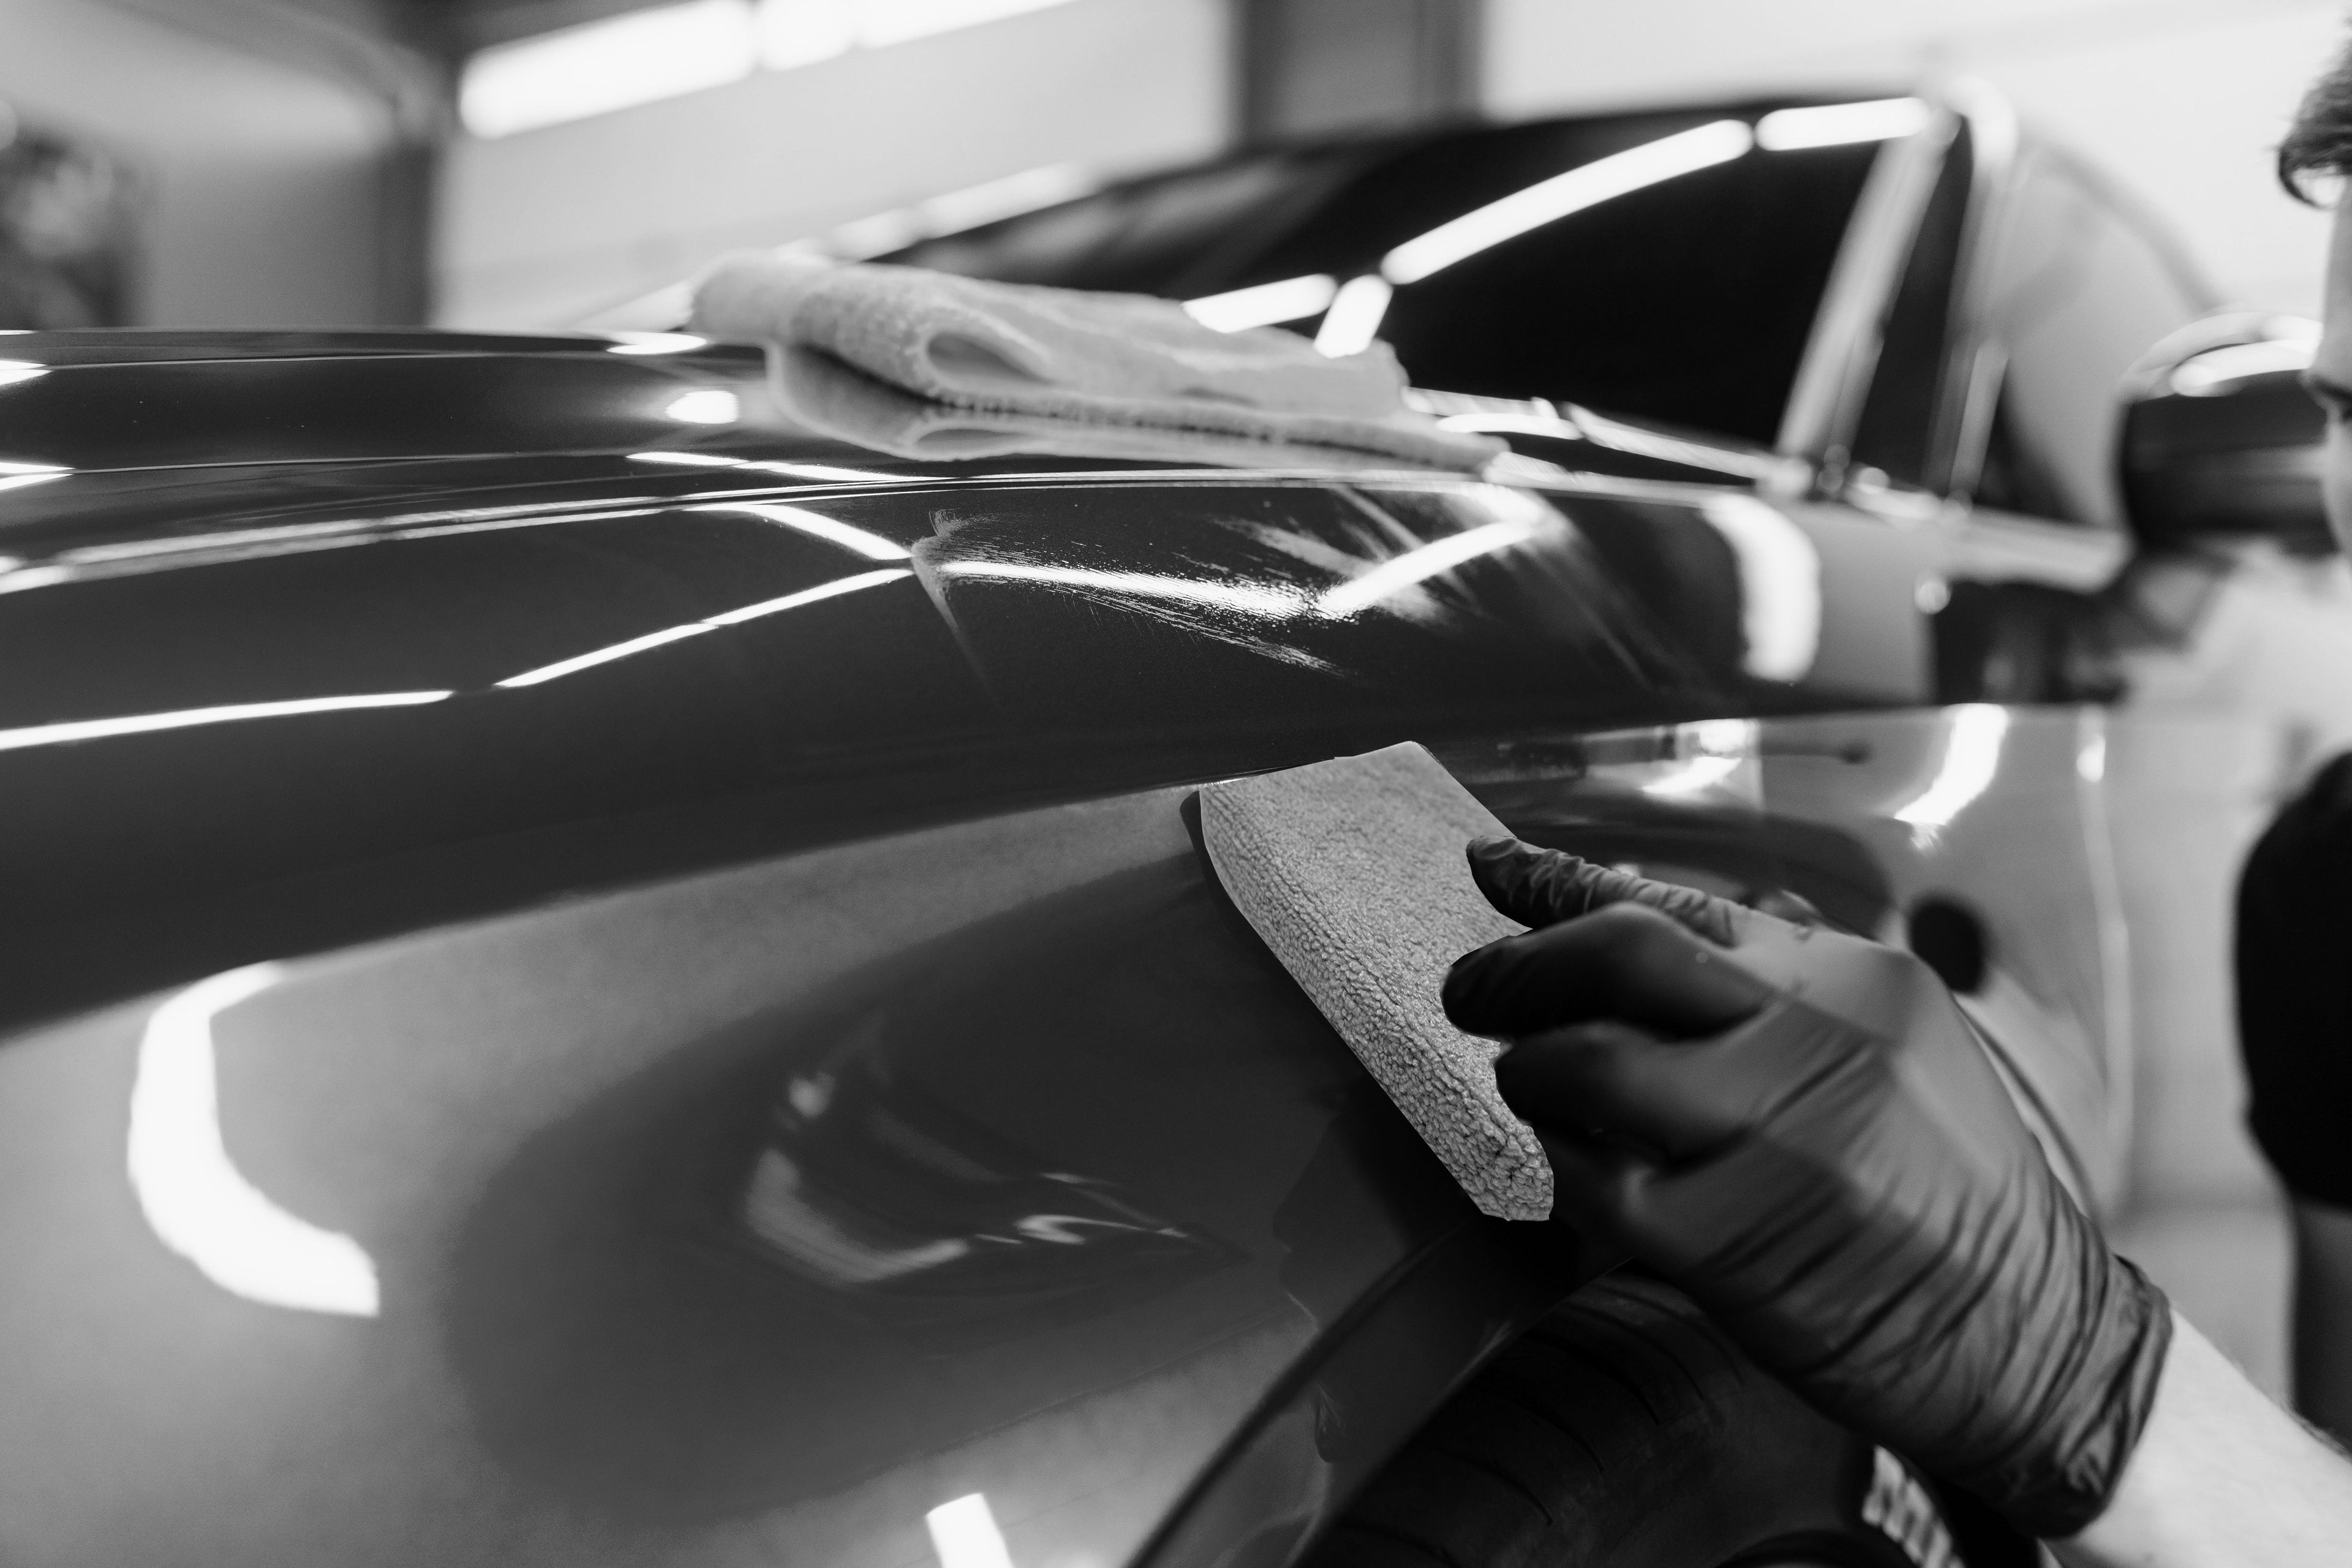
1663, 266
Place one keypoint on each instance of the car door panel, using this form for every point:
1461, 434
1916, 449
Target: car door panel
1991, 817
778, 1206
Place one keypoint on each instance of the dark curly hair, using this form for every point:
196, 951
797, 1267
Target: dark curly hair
2320, 141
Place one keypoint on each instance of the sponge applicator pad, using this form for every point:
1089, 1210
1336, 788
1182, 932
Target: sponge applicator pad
1352, 871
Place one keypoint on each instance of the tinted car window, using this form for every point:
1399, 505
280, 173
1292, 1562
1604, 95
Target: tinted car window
1898, 419
1686, 301
2081, 288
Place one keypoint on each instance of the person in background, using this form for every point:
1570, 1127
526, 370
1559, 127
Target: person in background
2294, 946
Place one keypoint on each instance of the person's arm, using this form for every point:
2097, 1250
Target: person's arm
2220, 1476
2323, 1316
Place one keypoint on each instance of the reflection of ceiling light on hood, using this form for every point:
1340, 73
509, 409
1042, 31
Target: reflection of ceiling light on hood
735, 617
73, 730
1835, 124
13, 371
17, 476
873, 546
823, 471
1588, 184
1271, 604
1420, 564
688, 459
657, 343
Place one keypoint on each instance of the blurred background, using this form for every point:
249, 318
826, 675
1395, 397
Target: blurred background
549, 162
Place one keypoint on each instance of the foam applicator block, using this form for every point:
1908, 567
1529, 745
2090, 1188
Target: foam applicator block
1352, 872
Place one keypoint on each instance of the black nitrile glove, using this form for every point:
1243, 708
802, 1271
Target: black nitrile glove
1828, 1165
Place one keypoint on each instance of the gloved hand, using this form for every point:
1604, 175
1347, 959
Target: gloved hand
1828, 1165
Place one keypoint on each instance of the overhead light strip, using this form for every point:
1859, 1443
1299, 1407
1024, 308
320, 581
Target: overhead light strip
667, 51
1548, 200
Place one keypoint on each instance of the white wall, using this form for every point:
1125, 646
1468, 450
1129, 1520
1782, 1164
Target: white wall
546, 227
260, 206
2184, 99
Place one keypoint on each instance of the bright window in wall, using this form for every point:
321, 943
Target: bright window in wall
665, 51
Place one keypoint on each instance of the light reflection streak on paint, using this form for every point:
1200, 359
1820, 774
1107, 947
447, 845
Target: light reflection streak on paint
1586, 185
1354, 319
710, 406
1780, 586
1695, 776
872, 546
1420, 564
657, 343
964, 1534
823, 471
688, 459
1270, 603
668, 635
16, 371
807, 596
147, 724
248, 543
1264, 304
596, 656
493, 525
24, 481
1973, 742
1837, 124
195, 1200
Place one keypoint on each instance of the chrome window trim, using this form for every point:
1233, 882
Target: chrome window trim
1977, 358
1842, 349
1974, 356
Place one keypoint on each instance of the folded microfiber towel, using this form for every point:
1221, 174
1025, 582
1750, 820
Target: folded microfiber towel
1353, 872
821, 395
1119, 358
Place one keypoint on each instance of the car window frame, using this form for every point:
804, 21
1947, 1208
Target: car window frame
1977, 358
1840, 356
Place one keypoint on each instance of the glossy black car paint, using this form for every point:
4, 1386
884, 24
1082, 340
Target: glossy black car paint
1118, 1145
174, 587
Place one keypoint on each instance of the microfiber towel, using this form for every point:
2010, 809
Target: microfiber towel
821, 395
1071, 355
1353, 872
